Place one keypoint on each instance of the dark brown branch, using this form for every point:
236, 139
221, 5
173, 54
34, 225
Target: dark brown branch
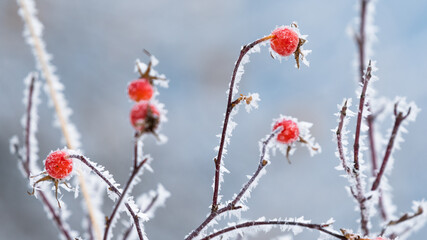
26, 164
232, 205
27, 126
57, 219
228, 110
149, 206
360, 194
405, 217
361, 37
343, 114
263, 223
399, 117
112, 188
374, 163
134, 173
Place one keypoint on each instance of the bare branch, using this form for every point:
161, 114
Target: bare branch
360, 194
319, 227
339, 139
399, 118
405, 217
232, 205
228, 110
114, 190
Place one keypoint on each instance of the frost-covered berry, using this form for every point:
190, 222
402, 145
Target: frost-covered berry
58, 165
285, 41
289, 133
144, 117
140, 89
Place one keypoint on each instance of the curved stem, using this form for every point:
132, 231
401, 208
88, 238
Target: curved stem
232, 205
42, 58
113, 189
131, 178
399, 119
228, 110
364, 221
261, 223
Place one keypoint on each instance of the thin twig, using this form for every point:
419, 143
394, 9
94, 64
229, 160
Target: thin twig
228, 110
232, 205
113, 189
149, 206
42, 58
364, 221
26, 164
343, 114
405, 217
263, 223
399, 117
134, 173
374, 164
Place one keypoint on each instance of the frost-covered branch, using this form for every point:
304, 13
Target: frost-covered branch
399, 118
232, 205
339, 132
228, 111
33, 34
262, 164
30, 126
405, 217
359, 186
249, 224
114, 189
135, 170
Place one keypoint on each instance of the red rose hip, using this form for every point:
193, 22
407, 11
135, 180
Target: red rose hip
140, 89
285, 41
289, 133
144, 117
58, 165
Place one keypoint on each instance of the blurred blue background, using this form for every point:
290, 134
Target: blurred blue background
95, 44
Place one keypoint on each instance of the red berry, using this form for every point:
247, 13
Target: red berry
290, 132
140, 89
285, 41
58, 165
144, 117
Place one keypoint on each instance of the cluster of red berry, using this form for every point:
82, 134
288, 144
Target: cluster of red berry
144, 116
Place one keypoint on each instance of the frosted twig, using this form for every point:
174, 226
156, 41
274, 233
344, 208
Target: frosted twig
26, 163
319, 227
149, 206
262, 164
228, 110
113, 189
361, 37
343, 114
135, 170
232, 205
42, 57
403, 218
360, 195
374, 164
399, 117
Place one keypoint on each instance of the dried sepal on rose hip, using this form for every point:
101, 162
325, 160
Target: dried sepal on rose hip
141, 89
145, 117
286, 40
58, 167
291, 131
